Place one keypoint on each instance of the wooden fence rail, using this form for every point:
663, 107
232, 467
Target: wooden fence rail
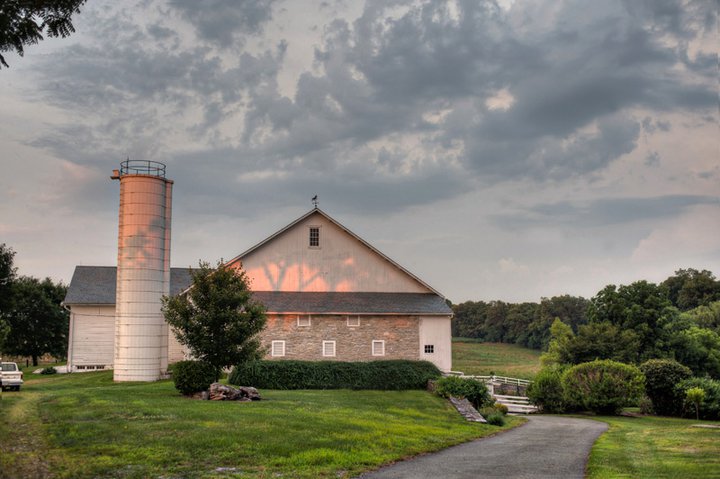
493, 379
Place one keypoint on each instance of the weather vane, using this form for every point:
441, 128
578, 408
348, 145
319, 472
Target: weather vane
315, 201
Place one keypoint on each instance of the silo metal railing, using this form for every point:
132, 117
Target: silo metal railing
142, 167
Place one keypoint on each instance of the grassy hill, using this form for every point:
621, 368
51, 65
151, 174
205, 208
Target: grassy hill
85, 425
472, 357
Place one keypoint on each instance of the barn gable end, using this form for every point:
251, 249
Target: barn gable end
340, 262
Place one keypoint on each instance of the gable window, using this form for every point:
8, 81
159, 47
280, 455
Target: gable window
378, 347
429, 349
314, 237
278, 349
303, 321
353, 321
328, 348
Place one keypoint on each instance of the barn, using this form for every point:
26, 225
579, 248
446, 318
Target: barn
329, 295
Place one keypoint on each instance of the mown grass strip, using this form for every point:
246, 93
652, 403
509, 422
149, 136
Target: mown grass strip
655, 447
22, 443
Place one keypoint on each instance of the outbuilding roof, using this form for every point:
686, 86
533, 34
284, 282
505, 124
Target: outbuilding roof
96, 285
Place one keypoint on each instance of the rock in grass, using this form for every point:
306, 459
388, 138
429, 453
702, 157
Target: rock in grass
221, 392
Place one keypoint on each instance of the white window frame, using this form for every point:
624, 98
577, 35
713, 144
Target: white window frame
357, 321
301, 324
310, 228
381, 344
325, 353
275, 345
431, 347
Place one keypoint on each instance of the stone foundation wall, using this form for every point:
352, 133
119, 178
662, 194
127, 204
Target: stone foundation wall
352, 343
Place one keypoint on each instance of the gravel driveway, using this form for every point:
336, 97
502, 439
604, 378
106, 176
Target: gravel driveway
545, 447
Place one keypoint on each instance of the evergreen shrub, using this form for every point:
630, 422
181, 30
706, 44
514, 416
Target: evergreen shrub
546, 391
496, 408
496, 419
501, 408
380, 375
662, 377
193, 376
646, 406
471, 389
603, 386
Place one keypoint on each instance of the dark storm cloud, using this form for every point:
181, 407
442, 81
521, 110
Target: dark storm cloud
603, 212
493, 152
382, 74
681, 18
130, 90
225, 22
385, 86
222, 181
112, 75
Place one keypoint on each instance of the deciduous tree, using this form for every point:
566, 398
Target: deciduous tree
695, 396
705, 316
641, 307
217, 318
22, 22
38, 323
690, 288
561, 335
7, 276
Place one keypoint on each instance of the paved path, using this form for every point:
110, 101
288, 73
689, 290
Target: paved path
546, 447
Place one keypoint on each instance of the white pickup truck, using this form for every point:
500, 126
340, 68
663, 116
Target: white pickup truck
10, 376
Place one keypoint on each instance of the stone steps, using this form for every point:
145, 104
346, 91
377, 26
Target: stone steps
516, 404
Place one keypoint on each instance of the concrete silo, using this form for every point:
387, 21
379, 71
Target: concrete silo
143, 271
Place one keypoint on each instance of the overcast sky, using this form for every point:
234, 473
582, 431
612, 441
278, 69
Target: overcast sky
508, 150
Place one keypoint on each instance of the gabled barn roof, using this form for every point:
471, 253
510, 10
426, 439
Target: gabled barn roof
353, 303
95, 285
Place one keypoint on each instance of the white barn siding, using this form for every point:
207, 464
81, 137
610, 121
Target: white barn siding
436, 331
176, 351
341, 263
92, 331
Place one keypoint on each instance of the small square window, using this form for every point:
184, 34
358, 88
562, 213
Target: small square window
429, 349
314, 237
303, 321
353, 321
328, 348
278, 349
378, 348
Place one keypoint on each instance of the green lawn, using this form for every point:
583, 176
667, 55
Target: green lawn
501, 359
654, 447
84, 425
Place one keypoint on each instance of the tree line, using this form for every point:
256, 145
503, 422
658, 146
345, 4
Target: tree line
526, 324
678, 318
32, 320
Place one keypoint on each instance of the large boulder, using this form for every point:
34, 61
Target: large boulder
221, 392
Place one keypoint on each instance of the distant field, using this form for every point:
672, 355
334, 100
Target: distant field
494, 358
